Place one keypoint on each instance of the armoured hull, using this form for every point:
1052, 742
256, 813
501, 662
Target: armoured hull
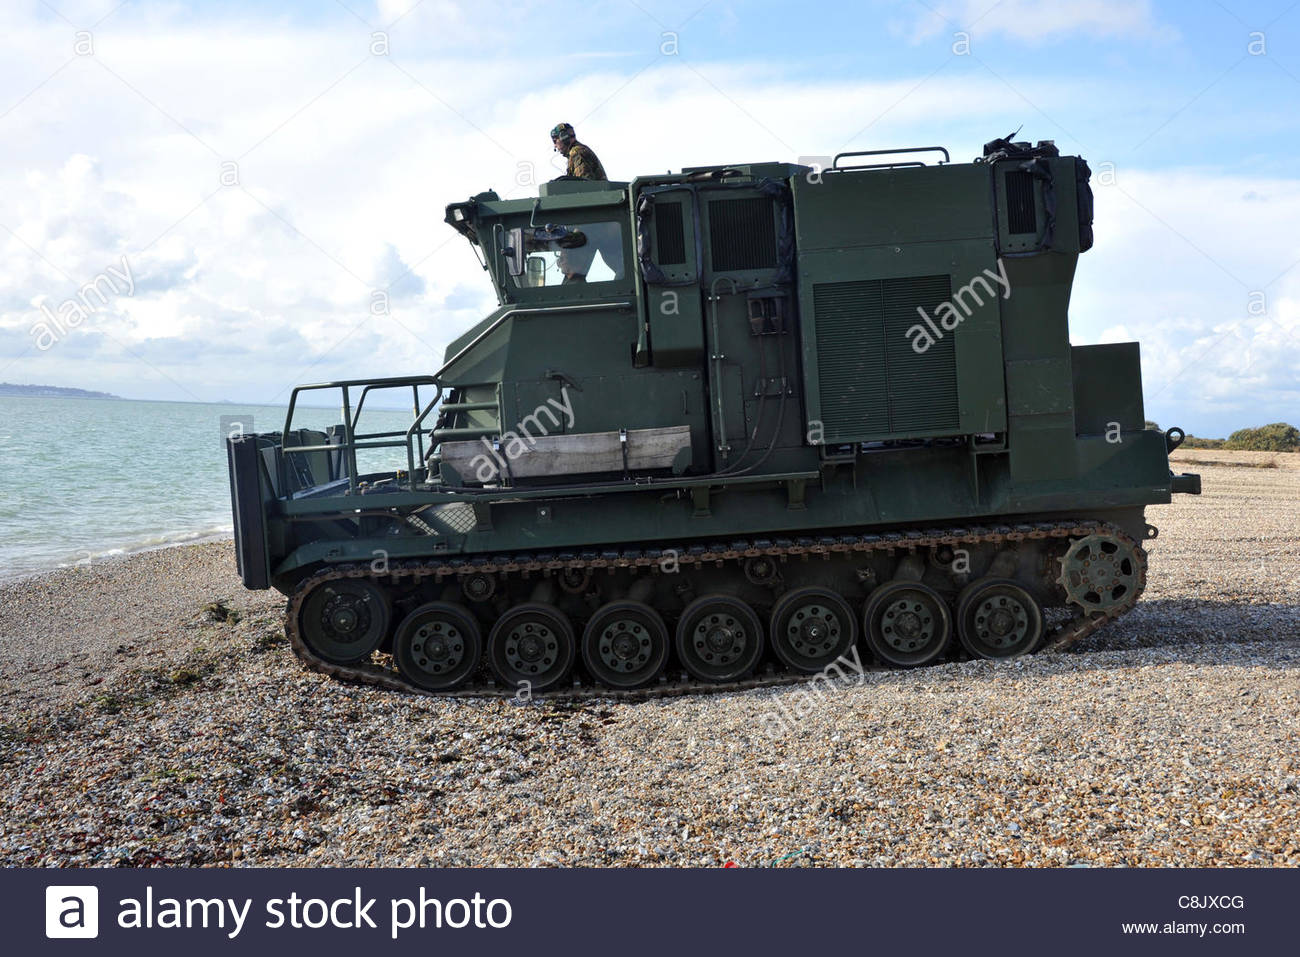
736, 425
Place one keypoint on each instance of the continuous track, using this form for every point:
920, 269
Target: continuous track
1064, 635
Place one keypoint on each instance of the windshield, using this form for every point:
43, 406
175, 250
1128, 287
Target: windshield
586, 252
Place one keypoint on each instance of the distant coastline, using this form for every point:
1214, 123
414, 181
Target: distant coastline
52, 391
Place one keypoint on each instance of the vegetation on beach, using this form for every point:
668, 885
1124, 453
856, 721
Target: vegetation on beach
1277, 437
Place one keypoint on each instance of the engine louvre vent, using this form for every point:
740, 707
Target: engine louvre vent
742, 234
1021, 215
871, 382
850, 324
670, 235
922, 385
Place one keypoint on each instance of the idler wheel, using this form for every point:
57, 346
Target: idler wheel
1100, 573
811, 628
907, 624
719, 638
625, 644
998, 619
531, 646
438, 646
343, 621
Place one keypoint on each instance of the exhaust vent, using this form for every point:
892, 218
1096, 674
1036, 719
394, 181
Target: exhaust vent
1021, 216
742, 234
670, 235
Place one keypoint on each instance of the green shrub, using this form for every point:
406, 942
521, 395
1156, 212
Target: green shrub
1153, 425
1277, 437
1192, 442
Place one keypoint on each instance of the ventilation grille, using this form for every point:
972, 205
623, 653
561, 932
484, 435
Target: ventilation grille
456, 518
742, 234
850, 323
670, 236
872, 383
1021, 217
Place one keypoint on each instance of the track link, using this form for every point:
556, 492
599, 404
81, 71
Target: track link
652, 559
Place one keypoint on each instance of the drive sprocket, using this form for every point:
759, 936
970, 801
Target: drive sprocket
1102, 573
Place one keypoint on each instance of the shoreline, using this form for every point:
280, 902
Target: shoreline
118, 554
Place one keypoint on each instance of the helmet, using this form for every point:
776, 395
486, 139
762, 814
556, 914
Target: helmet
562, 131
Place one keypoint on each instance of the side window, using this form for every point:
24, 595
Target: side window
586, 252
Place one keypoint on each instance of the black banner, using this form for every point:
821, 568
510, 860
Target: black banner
657, 912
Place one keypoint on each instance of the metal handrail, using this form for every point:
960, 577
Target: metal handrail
412, 380
905, 164
389, 381
351, 441
415, 412
835, 163
466, 432
415, 397
410, 450
294, 449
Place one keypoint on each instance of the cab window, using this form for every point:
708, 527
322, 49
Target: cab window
583, 252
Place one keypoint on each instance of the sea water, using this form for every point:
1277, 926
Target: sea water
85, 479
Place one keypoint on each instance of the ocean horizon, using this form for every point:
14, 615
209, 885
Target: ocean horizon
88, 480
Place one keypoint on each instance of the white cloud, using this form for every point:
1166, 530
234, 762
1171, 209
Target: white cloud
1034, 21
1192, 264
337, 194
255, 288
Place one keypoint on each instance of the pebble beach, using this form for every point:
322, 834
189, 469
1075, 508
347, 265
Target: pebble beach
153, 714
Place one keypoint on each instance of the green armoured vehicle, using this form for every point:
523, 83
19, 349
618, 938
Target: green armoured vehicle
726, 423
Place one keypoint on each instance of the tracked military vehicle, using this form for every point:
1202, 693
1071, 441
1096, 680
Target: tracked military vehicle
728, 427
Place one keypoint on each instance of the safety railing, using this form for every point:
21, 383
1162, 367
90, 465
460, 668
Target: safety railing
836, 167
352, 440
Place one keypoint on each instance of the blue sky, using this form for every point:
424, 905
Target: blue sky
344, 160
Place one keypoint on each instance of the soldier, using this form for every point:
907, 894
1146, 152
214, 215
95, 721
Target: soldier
582, 161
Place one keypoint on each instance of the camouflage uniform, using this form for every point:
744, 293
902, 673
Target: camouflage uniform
584, 164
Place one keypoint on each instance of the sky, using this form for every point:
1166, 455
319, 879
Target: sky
258, 189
